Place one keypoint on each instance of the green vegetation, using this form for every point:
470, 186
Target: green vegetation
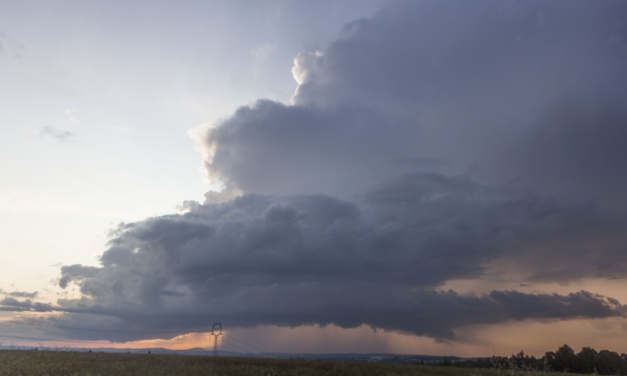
50, 363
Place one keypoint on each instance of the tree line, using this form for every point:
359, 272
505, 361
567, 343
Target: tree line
588, 361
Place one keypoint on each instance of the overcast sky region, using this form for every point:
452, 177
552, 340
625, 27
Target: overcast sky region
432, 177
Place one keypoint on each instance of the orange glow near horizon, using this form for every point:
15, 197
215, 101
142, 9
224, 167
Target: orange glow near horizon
182, 342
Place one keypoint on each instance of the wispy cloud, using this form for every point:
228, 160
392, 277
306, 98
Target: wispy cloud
63, 136
10, 46
12, 304
71, 117
20, 294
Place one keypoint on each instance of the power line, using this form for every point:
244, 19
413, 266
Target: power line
237, 347
233, 347
247, 344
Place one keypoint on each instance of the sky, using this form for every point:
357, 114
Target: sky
333, 176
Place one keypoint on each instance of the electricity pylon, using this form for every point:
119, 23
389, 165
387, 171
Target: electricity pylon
216, 331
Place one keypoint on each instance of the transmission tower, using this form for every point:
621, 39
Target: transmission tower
216, 331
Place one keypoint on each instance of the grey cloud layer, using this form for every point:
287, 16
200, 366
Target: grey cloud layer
315, 259
422, 145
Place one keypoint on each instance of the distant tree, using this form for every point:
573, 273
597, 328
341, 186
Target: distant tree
524, 361
564, 359
623, 358
609, 362
586, 360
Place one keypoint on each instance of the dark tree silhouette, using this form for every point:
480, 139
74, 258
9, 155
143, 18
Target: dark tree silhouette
587, 361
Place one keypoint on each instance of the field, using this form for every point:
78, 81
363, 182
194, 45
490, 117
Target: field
51, 363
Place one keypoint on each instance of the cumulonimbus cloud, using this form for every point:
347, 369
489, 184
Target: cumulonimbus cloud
423, 144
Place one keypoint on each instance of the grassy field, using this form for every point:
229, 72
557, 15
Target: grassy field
51, 363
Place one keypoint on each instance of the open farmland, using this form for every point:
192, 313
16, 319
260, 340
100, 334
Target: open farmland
51, 363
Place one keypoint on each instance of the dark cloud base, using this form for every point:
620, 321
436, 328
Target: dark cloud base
305, 260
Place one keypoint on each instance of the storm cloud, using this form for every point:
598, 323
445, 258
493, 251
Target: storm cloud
320, 260
424, 144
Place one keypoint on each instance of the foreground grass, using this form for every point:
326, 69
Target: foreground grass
50, 363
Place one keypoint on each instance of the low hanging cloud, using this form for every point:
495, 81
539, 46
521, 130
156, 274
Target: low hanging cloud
422, 146
315, 259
